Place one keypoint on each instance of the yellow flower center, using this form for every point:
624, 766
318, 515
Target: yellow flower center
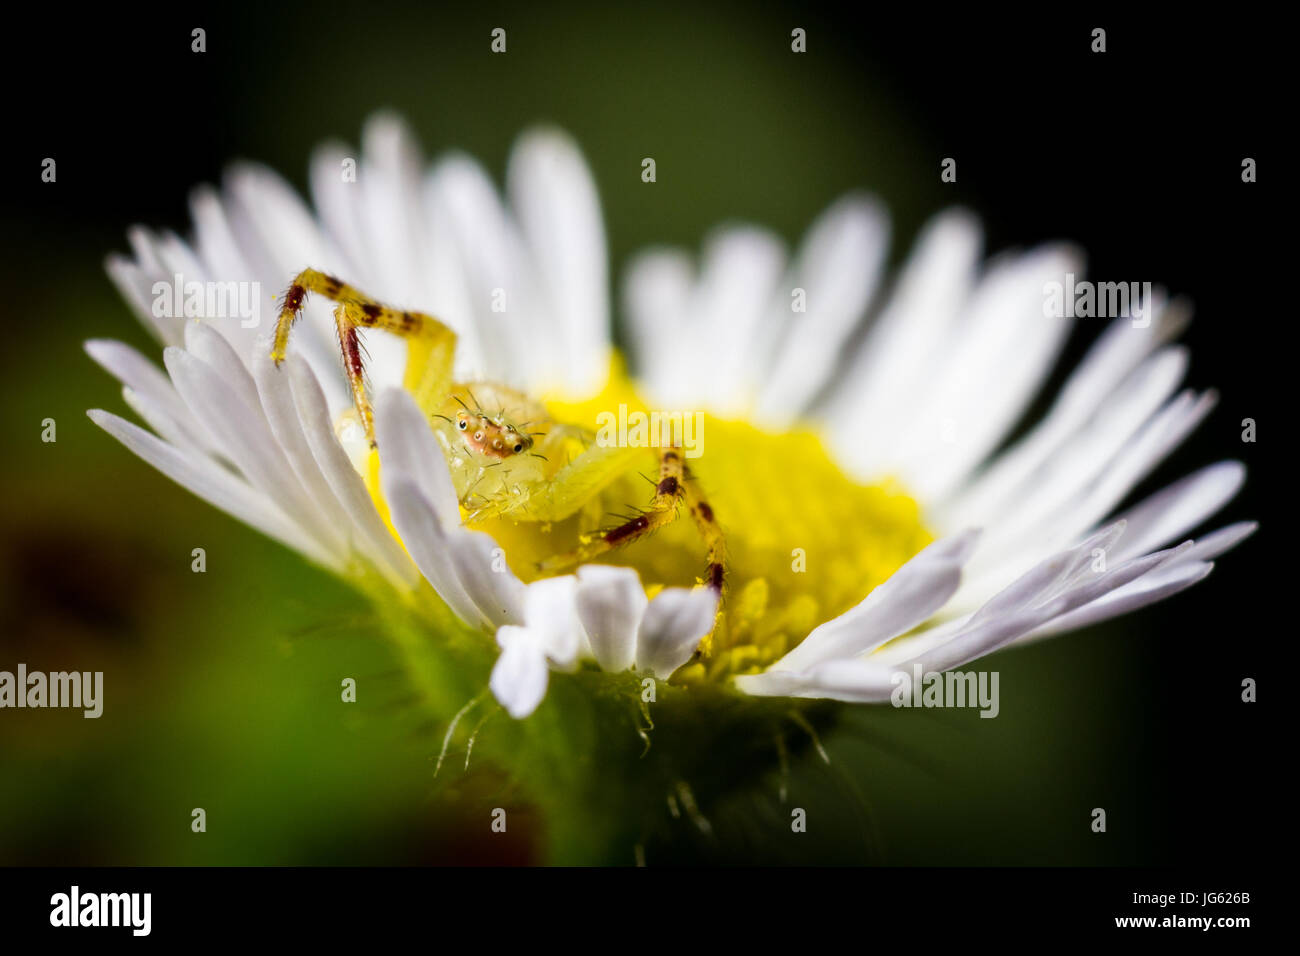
804, 542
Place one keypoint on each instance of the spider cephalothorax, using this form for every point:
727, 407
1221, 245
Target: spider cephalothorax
506, 455
493, 437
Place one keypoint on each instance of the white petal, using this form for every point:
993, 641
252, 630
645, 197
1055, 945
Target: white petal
1002, 351
216, 486
279, 238
1187, 566
772, 683
674, 624
370, 534
215, 243
1215, 543
1025, 510
1154, 586
1094, 384
987, 632
142, 248
1049, 577
275, 394
858, 680
1036, 587
724, 321
493, 263
178, 259
408, 449
611, 602
1163, 434
246, 438
136, 286
552, 194
283, 228
205, 342
1175, 510
393, 220
480, 565
1048, 522
911, 595
339, 204
147, 381
426, 541
888, 372
838, 269
657, 286
450, 295
869, 679
216, 246
550, 612
519, 676
163, 425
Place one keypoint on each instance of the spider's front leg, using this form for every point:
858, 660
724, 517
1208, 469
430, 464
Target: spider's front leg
429, 357
673, 488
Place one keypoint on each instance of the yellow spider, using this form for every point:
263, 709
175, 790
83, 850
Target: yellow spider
503, 449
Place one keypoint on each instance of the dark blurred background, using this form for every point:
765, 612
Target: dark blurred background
222, 688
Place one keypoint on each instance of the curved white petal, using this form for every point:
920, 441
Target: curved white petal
520, 674
136, 286
554, 198
611, 602
890, 369
1025, 509
1092, 386
409, 449
551, 615
1177, 508
147, 380
216, 486
657, 286
674, 624
163, 425
1148, 589
910, 596
1025, 607
1002, 350
723, 321
1215, 543
486, 578
313, 415
498, 281
246, 438
838, 269
427, 542
279, 238
274, 392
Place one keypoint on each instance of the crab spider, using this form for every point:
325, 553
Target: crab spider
512, 462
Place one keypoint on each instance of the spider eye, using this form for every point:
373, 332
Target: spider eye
519, 447
462, 424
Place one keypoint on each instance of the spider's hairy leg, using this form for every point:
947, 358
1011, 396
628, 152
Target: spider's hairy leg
670, 491
430, 354
716, 546
309, 280
710, 532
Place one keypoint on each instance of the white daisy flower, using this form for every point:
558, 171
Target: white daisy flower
848, 472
